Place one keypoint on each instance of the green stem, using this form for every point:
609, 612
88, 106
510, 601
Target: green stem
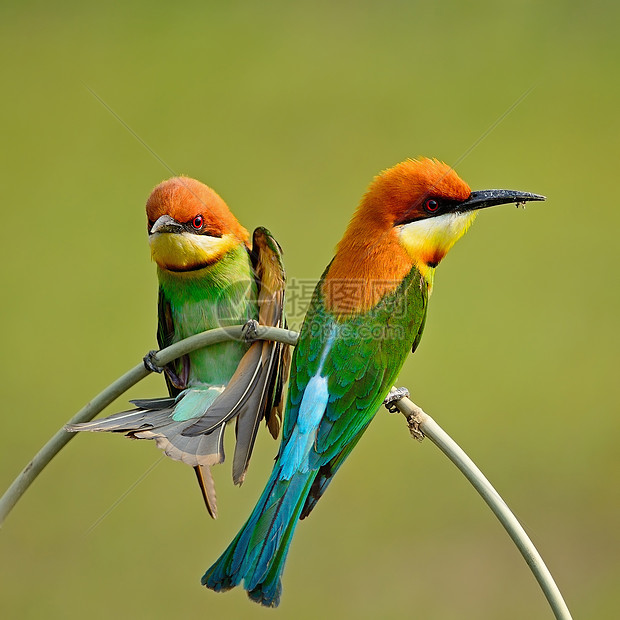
418, 419
116, 389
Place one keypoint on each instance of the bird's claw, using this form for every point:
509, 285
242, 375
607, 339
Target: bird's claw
393, 397
250, 330
149, 362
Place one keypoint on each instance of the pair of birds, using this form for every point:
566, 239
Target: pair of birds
367, 312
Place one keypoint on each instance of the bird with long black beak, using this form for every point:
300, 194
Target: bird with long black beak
367, 314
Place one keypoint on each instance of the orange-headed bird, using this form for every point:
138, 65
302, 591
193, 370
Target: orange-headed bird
367, 313
209, 276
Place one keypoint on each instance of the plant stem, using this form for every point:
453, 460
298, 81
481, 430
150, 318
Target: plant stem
418, 420
116, 389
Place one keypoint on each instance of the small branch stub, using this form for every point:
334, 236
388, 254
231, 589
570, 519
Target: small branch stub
413, 422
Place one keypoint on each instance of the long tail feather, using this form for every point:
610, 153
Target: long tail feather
257, 555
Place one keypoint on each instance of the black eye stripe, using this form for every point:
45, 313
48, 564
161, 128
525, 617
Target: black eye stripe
431, 206
205, 230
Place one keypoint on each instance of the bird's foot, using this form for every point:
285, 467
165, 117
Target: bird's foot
393, 397
250, 330
149, 362
413, 414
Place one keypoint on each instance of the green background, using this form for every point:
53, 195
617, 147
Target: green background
288, 109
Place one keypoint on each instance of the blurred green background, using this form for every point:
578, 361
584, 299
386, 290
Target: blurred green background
288, 109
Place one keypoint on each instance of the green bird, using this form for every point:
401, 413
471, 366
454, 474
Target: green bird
209, 277
366, 315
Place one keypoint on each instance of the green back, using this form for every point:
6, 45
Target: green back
366, 353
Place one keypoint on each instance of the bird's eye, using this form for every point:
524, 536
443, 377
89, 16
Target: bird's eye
197, 222
431, 205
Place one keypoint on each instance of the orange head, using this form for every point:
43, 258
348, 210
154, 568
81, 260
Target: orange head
412, 214
190, 226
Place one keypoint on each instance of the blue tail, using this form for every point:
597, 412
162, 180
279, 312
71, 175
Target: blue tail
257, 554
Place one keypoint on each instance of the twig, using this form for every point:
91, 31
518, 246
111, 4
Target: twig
419, 421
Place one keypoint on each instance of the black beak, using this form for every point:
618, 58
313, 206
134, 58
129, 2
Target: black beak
491, 197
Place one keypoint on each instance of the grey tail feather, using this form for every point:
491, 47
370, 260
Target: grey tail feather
154, 403
125, 421
246, 397
158, 424
249, 396
254, 409
229, 402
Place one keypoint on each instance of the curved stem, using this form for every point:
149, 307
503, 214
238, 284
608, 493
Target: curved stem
418, 420
116, 389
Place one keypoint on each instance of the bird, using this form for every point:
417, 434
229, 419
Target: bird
209, 276
367, 313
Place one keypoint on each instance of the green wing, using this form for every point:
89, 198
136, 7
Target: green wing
361, 357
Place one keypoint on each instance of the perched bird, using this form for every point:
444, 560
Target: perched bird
367, 313
209, 277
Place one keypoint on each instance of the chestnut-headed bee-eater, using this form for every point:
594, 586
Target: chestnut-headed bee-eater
210, 276
366, 315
